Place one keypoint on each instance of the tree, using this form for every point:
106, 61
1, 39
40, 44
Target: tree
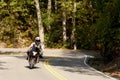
40, 26
64, 22
73, 42
49, 13
56, 6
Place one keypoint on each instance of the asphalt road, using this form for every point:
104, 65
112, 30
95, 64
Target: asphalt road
56, 65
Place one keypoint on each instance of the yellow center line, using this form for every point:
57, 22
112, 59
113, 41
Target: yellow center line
52, 71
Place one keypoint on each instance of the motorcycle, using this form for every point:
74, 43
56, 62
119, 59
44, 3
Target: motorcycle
33, 58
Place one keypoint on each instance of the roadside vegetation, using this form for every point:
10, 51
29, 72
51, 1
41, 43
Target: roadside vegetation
72, 24
110, 69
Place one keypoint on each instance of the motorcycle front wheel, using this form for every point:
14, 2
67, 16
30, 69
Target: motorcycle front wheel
31, 63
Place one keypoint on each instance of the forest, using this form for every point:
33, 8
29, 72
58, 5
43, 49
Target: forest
71, 24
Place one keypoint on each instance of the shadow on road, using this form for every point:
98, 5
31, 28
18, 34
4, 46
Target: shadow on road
32, 68
73, 65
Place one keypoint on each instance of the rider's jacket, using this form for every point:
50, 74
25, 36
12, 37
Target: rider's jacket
33, 45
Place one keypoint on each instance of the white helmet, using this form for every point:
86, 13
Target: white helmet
37, 39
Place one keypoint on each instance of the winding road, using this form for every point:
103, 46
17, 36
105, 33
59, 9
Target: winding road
56, 65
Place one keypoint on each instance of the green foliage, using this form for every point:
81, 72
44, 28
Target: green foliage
47, 21
16, 23
107, 28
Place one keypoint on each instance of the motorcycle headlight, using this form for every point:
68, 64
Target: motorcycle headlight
34, 53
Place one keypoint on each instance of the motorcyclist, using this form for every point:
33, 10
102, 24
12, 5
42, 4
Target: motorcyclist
36, 44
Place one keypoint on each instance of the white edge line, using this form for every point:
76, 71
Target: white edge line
85, 62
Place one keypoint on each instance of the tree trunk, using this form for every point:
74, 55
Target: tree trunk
40, 26
73, 42
55, 6
49, 12
64, 24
